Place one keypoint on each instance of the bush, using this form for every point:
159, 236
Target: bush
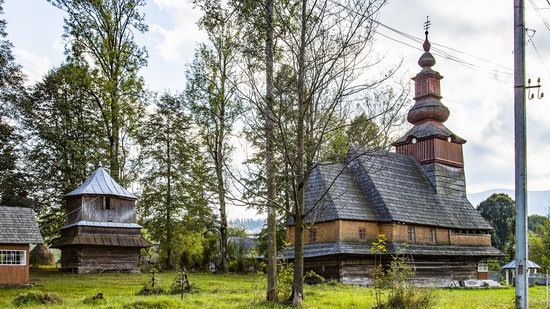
40, 255
152, 287
179, 288
153, 304
148, 290
285, 279
97, 299
37, 298
403, 292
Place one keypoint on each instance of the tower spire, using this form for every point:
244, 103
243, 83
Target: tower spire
428, 114
427, 25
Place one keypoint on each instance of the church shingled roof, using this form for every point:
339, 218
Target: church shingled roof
387, 188
101, 183
18, 226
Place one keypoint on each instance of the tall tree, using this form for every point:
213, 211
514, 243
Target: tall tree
101, 33
14, 184
175, 180
64, 141
211, 93
270, 158
499, 210
539, 245
323, 61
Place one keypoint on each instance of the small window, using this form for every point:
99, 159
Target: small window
13, 257
362, 233
312, 235
107, 203
433, 236
411, 234
482, 266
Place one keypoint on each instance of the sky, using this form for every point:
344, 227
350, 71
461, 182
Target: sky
477, 37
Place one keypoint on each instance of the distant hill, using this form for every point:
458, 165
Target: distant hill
251, 226
538, 201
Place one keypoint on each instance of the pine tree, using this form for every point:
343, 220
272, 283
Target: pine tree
173, 199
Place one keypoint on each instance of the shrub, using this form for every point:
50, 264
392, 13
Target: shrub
178, 287
148, 290
403, 292
285, 276
97, 299
152, 304
152, 287
37, 298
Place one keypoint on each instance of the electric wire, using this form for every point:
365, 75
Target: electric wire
537, 10
538, 55
492, 72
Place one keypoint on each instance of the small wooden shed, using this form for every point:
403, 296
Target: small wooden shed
18, 229
100, 232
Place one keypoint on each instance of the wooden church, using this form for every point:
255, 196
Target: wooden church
415, 197
100, 232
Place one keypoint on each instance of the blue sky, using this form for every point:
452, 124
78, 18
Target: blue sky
481, 105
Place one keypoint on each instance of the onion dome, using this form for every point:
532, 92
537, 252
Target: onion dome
428, 113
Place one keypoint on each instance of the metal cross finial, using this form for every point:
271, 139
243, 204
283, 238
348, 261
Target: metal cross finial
427, 25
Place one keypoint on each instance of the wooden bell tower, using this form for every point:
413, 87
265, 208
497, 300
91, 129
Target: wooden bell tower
438, 150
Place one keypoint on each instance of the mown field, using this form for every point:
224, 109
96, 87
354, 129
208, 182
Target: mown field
232, 291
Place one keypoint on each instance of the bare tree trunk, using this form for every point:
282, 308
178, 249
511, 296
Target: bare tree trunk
269, 161
219, 171
300, 177
223, 214
168, 196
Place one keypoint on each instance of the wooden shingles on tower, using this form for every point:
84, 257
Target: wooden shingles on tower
100, 231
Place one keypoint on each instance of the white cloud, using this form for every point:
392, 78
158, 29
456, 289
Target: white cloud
177, 43
34, 65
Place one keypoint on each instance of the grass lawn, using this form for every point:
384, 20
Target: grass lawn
232, 291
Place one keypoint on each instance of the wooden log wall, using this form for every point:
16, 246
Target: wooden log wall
430, 271
121, 210
92, 208
96, 259
348, 231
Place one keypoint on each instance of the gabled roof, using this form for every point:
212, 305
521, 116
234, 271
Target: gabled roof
101, 183
398, 185
388, 188
343, 198
18, 226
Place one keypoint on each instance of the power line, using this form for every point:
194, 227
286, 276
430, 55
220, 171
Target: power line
537, 10
493, 73
540, 58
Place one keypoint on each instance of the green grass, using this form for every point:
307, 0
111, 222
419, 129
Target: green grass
230, 291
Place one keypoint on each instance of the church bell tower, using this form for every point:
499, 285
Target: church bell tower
438, 150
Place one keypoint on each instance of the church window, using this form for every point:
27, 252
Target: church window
433, 237
312, 235
411, 234
362, 233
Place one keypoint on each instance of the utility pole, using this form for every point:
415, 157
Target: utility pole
522, 283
